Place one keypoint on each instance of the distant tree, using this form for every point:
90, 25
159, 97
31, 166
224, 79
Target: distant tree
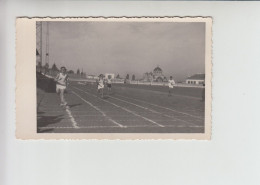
78, 72
127, 77
39, 66
81, 73
54, 67
71, 72
133, 77
117, 76
46, 68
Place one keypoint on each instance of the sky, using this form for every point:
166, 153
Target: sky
127, 47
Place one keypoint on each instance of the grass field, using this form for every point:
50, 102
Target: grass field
127, 109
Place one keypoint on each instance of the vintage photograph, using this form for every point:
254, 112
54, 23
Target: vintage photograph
114, 77
120, 77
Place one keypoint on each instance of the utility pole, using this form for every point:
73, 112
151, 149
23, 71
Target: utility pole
39, 45
47, 45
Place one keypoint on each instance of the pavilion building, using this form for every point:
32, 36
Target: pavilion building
198, 79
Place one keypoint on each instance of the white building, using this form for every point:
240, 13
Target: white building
197, 79
112, 76
92, 77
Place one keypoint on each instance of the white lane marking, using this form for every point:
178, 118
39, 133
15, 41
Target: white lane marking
162, 107
169, 116
131, 126
164, 93
103, 114
184, 113
151, 110
72, 119
125, 109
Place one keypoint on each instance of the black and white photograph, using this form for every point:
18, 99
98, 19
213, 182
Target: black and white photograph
129, 93
122, 76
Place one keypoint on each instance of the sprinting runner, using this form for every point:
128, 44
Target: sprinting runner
100, 85
61, 84
109, 84
170, 83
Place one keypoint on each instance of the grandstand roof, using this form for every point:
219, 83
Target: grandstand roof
197, 77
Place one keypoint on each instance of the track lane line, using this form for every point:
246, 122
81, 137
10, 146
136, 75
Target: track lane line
159, 92
71, 117
153, 111
162, 107
69, 113
125, 109
103, 114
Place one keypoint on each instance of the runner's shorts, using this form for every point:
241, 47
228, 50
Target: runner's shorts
100, 86
60, 87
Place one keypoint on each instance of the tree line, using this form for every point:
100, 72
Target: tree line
55, 68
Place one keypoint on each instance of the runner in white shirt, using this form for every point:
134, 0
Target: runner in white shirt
61, 84
109, 83
170, 83
100, 85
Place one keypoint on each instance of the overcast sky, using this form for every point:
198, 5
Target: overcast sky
127, 47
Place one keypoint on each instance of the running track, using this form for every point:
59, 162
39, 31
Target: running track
125, 110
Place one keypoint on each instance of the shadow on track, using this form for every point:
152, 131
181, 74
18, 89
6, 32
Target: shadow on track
43, 121
74, 105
